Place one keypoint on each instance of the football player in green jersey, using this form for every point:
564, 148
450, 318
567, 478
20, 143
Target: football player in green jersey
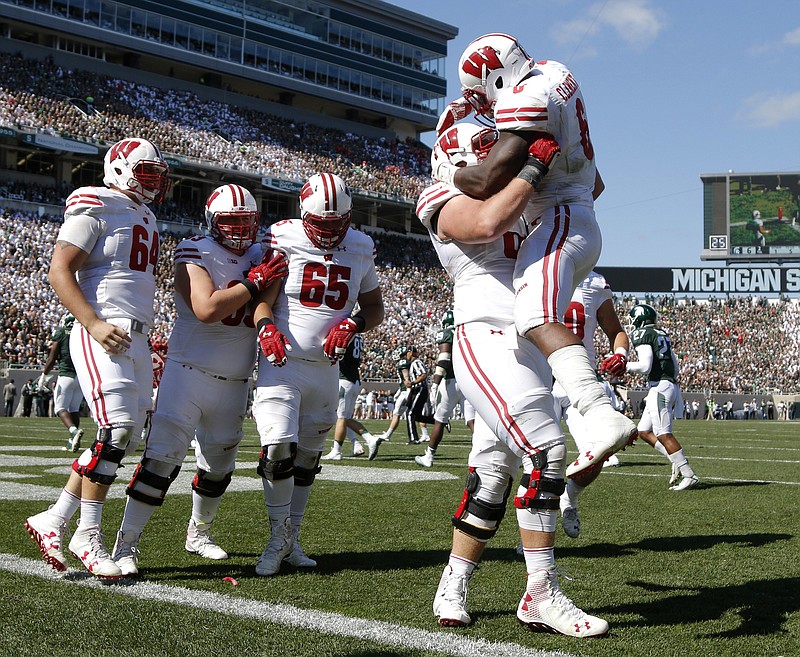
657, 361
67, 396
349, 386
445, 393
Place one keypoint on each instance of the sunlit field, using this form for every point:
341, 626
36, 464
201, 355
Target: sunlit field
713, 571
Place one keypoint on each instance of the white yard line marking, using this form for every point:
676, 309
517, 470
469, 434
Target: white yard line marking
379, 632
702, 479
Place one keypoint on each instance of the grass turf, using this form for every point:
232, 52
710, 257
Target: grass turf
710, 571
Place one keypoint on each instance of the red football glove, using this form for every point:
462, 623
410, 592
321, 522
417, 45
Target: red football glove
614, 365
455, 111
339, 338
541, 153
273, 343
544, 149
272, 267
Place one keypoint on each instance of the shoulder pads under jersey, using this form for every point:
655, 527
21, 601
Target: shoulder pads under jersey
85, 200
432, 199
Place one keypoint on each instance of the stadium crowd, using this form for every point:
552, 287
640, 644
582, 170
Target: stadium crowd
734, 345
42, 95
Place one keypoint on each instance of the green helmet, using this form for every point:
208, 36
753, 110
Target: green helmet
643, 315
67, 321
447, 319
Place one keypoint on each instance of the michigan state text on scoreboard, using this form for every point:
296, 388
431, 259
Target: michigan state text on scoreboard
703, 280
751, 216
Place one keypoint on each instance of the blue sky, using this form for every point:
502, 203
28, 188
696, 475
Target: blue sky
672, 90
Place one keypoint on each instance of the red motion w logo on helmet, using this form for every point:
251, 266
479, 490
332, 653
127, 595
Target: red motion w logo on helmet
124, 147
211, 198
449, 140
485, 57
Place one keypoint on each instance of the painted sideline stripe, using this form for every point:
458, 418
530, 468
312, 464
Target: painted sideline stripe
702, 479
326, 622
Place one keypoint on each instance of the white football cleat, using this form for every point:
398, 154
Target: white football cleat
278, 547
74, 441
616, 431
545, 608
571, 522
450, 602
373, 442
297, 557
126, 553
88, 546
333, 455
48, 533
199, 542
675, 475
686, 483
426, 460
358, 449
611, 462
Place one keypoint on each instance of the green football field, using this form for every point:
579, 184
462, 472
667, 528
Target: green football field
713, 571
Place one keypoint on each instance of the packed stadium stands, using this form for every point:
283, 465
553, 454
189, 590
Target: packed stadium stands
41, 95
736, 345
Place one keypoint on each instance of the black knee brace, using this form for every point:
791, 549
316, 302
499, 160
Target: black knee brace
206, 487
144, 476
493, 513
537, 483
275, 470
305, 476
101, 450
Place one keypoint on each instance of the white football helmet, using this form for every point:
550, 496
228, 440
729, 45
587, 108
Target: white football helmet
136, 165
233, 218
325, 207
490, 63
464, 144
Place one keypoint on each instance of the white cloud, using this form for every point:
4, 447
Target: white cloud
792, 38
634, 21
772, 111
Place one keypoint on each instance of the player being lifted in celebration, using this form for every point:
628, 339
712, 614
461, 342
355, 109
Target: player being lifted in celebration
305, 327
540, 111
657, 361
103, 271
204, 388
507, 381
67, 396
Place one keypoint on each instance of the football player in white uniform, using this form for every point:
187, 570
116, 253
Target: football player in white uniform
204, 387
304, 328
538, 109
591, 306
103, 271
507, 380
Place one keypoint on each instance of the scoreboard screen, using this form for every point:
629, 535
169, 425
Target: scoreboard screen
751, 216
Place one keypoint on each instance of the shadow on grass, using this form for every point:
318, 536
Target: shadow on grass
761, 605
329, 564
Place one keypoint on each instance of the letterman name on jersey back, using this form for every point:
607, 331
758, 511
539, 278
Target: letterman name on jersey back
322, 286
550, 101
121, 238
